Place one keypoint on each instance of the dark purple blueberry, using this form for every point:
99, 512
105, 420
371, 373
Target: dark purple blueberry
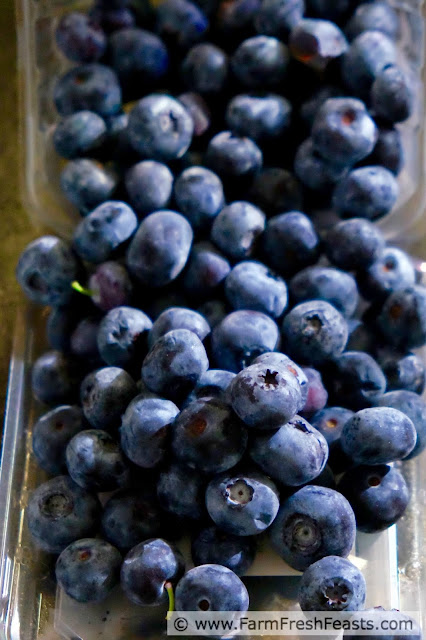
330, 9
237, 228
91, 87
388, 152
373, 16
415, 408
112, 18
199, 196
60, 325
138, 57
276, 190
199, 111
356, 380
330, 422
354, 244
263, 117
251, 285
181, 23
79, 134
55, 378
234, 20
392, 96
392, 271
87, 183
324, 283
214, 311
290, 242
403, 371
317, 394
232, 156
278, 17
149, 186
79, 38
178, 318
260, 61
211, 587
362, 336
367, 192
110, 285
122, 337
316, 42
213, 546
275, 358
83, 341
104, 395
205, 68
206, 271
315, 172
181, 491
214, 383
312, 105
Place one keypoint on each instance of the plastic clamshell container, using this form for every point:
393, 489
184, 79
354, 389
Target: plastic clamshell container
32, 608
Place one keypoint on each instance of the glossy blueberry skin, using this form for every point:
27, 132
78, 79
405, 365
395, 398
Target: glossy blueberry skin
174, 364
367, 55
104, 395
45, 270
160, 248
79, 134
367, 192
261, 117
181, 23
324, 283
330, 422
110, 285
375, 16
276, 359
265, 396
149, 186
232, 157
180, 491
242, 336
199, 196
388, 152
404, 372
317, 394
59, 512
87, 183
178, 318
392, 97
356, 380
208, 437
88, 569
91, 87
213, 546
211, 587
55, 378
313, 523
392, 271
343, 132
138, 57
378, 435
290, 242
160, 127
317, 42
278, 17
251, 285
260, 61
51, 434
79, 39
293, 455
206, 270
205, 68
415, 408
332, 584
147, 567
276, 190
314, 332
244, 504
122, 337
214, 311
198, 110
354, 244
403, 317
313, 171
237, 228
378, 495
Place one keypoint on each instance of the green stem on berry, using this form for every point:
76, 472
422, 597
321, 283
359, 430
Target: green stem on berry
169, 588
80, 289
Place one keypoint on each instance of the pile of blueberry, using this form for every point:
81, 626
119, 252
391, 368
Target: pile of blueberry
223, 366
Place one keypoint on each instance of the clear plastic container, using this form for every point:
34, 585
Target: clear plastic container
394, 562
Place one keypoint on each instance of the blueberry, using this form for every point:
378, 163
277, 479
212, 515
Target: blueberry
312, 105
343, 132
212, 546
274, 358
92, 87
243, 505
242, 336
178, 318
122, 337
317, 394
79, 134
405, 372
181, 23
199, 111
181, 490
393, 617
206, 271
237, 228
262, 117
145, 430
329, 9
208, 437
362, 336
260, 61
235, 20
160, 248
79, 38
388, 152
46, 269
214, 311
138, 57
211, 587
110, 285
266, 396
293, 455
87, 183
199, 196
59, 512
313, 171
324, 283
83, 341
374, 16
378, 435
378, 495
330, 422
104, 395
55, 378
174, 364
88, 569
60, 325
278, 17
317, 42
112, 18
149, 186
415, 408
354, 244
214, 383
367, 192
290, 242
313, 523
276, 190
403, 317
233, 157
160, 127
366, 57
251, 285
356, 380
205, 68
332, 584
392, 271
314, 332
392, 96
